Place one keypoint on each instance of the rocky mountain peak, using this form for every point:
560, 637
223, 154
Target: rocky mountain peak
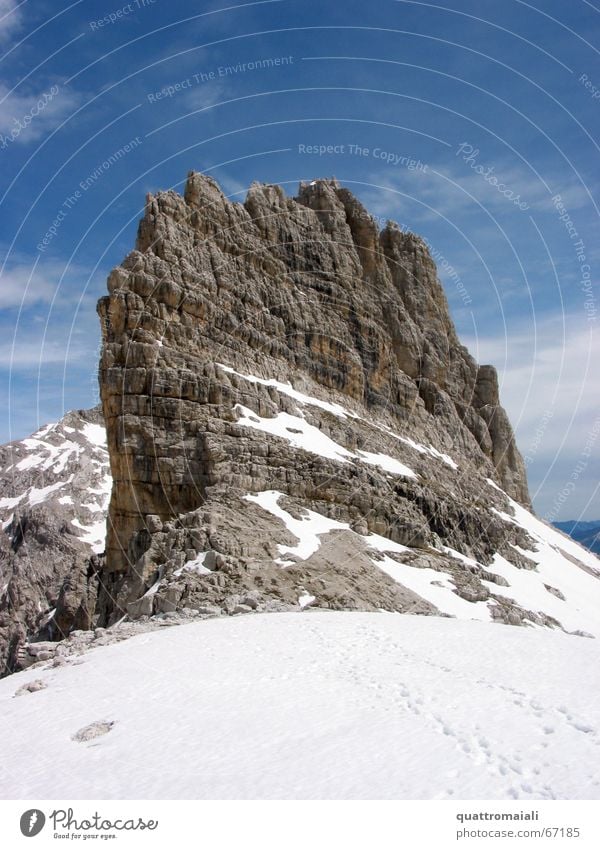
222, 304
291, 422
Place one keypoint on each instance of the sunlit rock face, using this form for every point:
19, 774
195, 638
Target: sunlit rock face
288, 422
287, 345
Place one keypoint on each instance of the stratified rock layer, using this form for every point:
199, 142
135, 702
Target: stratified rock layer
222, 305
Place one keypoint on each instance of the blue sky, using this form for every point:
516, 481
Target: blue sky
497, 106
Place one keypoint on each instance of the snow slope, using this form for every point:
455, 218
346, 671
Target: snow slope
313, 705
564, 583
65, 467
549, 581
302, 435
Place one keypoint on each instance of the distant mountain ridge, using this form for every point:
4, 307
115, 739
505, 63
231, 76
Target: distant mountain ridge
54, 493
585, 533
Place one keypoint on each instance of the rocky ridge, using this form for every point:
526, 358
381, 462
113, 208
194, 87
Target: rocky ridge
585, 533
292, 424
281, 370
54, 492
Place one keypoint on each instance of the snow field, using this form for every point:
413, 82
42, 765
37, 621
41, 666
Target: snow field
580, 609
313, 705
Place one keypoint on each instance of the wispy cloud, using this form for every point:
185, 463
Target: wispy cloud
24, 285
27, 117
205, 95
546, 368
42, 341
10, 18
57, 321
550, 388
31, 352
454, 188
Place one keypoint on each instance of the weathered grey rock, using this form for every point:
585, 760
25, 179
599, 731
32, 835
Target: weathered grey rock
95, 729
31, 687
54, 492
241, 608
225, 308
219, 296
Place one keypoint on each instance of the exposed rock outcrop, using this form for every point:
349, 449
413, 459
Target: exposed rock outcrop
215, 323
54, 490
292, 423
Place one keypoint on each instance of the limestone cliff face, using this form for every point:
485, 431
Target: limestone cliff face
216, 321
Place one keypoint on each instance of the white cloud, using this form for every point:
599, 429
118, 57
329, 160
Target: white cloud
25, 282
205, 95
234, 189
30, 353
550, 388
25, 285
52, 341
57, 319
27, 117
450, 190
10, 18
545, 368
